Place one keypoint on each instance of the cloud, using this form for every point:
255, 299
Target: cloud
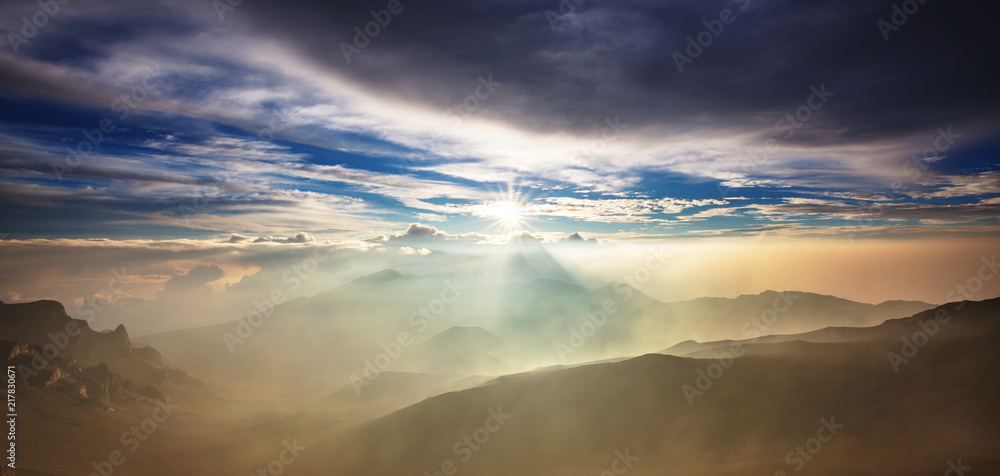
417, 230
951, 186
524, 237
267, 130
406, 250
301, 237
158, 285
420, 233
615, 210
435, 239
431, 217
872, 212
753, 231
193, 280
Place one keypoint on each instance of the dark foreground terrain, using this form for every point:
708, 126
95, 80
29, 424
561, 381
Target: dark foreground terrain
909, 396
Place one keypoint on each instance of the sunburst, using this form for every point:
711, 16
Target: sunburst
506, 209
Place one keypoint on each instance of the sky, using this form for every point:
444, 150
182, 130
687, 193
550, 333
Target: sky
194, 125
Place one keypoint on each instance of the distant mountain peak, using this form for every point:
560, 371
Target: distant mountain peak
466, 332
463, 339
385, 274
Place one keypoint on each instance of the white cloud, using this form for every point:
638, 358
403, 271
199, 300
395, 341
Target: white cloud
430, 217
406, 250
616, 210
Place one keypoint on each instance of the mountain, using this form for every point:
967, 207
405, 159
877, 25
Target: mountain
831, 408
885, 330
785, 312
336, 334
462, 340
577, 418
466, 350
64, 357
45, 323
329, 336
410, 387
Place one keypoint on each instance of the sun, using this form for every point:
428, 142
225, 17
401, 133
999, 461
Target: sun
507, 210
507, 215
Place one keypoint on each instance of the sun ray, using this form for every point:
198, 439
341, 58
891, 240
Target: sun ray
506, 209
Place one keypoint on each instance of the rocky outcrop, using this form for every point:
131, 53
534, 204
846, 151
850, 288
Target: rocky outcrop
104, 386
64, 358
32, 366
32, 322
104, 345
148, 354
9, 350
97, 386
45, 323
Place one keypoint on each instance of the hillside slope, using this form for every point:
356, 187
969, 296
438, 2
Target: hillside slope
939, 405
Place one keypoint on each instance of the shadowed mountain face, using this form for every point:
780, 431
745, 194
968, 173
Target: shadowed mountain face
46, 323
66, 359
747, 415
837, 400
542, 322
92, 403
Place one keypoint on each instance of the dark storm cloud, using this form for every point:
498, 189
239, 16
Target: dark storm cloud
568, 72
614, 58
265, 95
